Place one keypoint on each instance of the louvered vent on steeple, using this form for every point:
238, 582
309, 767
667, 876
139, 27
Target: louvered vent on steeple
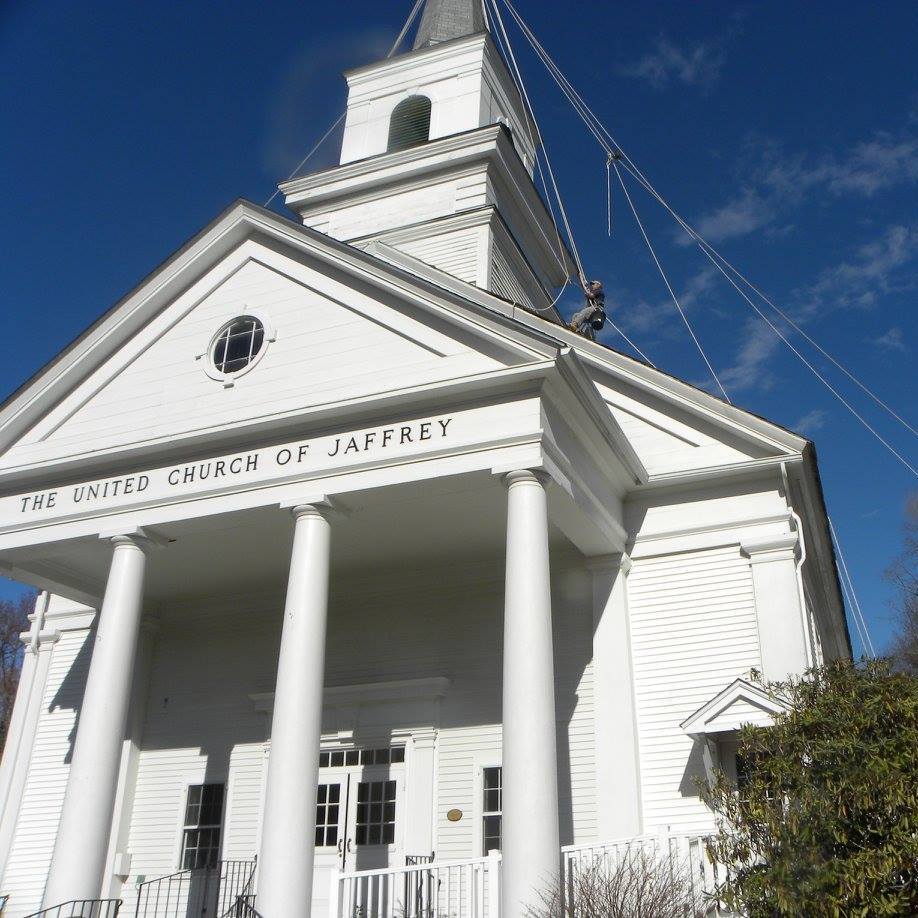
409, 124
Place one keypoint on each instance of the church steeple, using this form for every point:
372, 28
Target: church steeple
443, 20
436, 162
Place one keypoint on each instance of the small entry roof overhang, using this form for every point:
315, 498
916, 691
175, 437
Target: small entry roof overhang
739, 704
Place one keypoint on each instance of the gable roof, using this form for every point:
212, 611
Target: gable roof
738, 704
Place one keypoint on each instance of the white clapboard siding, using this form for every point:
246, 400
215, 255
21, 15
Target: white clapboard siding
33, 845
504, 281
665, 437
694, 631
325, 351
455, 253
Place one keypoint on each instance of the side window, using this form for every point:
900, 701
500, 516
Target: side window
491, 808
409, 124
203, 822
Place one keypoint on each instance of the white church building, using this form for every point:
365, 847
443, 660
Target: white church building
368, 588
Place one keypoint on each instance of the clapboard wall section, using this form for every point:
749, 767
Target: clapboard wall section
694, 631
39, 814
456, 253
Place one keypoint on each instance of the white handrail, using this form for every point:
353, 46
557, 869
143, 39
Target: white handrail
467, 888
414, 868
470, 888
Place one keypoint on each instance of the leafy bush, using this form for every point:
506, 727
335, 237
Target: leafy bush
825, 822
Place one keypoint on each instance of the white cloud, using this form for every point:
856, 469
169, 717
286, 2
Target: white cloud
781, 182
305, 87
810, 422
739, 217
893, 340
859, 280
750, 367
856, 282
696, 65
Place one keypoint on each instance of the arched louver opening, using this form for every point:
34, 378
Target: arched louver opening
410, 123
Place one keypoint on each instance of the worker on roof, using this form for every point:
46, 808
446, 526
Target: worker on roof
592, 317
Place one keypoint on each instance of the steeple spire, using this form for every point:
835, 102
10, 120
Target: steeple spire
446, 19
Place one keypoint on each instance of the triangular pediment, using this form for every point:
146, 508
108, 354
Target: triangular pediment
334, 331
739, 704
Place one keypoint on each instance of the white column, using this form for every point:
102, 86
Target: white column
118, 860
288, 827
531, 841
781, 620
78, 863
618, 785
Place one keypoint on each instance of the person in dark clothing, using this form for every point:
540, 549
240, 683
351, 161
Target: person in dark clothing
592, 317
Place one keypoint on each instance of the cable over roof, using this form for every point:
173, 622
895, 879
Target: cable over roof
443, 20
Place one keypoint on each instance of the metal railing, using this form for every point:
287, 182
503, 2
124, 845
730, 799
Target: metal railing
459, 889
81, 908
211, 892
244, 908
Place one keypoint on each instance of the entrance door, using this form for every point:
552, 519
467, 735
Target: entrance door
360, 807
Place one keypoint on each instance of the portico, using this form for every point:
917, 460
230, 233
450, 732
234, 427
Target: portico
467, 486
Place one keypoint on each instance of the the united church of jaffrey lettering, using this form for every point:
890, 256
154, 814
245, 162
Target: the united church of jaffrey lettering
369, 588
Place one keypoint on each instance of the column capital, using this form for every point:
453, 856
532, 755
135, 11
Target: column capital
526, 476
616, 561
424, 739
137, 537
770, 548
316, 510
311, 505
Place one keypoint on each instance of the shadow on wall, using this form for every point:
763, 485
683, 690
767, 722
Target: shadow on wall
69, 694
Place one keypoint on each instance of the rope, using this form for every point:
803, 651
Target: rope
815, 344
405, 27
610, 145
634, 347
308, 156
340, 118
672, 293
562, 261
609, 195
856, 612
525, 96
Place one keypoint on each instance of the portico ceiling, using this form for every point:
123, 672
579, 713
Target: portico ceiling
401, 527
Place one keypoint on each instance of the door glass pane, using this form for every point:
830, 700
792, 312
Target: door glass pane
328, 800
375, 813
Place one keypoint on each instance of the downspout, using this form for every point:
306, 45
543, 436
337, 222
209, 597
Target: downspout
801, 592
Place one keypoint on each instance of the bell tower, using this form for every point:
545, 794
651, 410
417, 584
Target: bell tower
437, 160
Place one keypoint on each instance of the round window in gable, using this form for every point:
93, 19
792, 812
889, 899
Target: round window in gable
237, 345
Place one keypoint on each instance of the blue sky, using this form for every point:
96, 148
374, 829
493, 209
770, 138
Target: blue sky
787, 132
